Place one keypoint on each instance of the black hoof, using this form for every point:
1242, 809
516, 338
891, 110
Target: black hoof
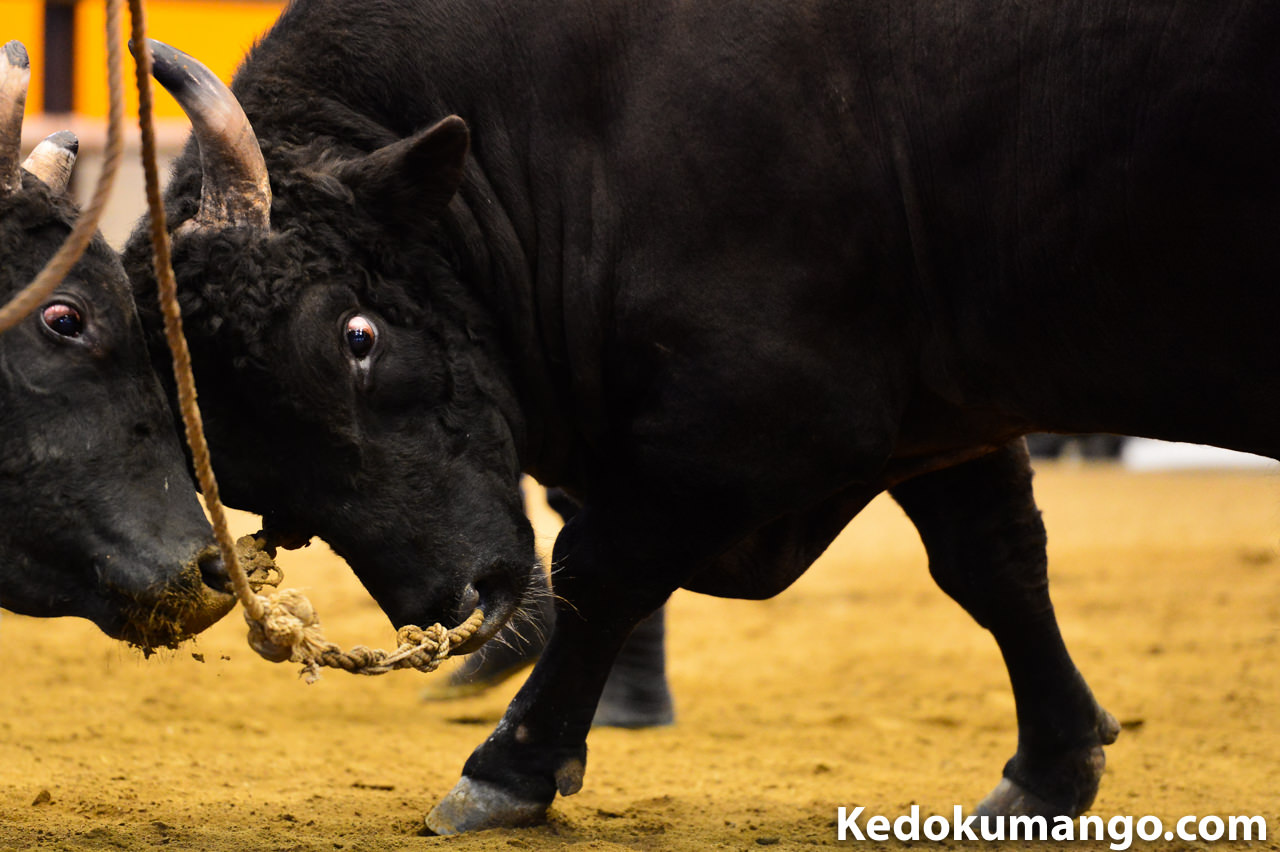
477, 805
1010, 799
634, 705
1067, 788
1064, 783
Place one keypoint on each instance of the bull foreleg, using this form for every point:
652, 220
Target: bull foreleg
986, 545
636, 695
539, 748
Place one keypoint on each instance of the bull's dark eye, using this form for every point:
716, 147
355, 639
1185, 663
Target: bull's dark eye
62, 319
361, 335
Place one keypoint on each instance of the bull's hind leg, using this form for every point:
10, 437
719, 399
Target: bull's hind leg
986, 545
637, 694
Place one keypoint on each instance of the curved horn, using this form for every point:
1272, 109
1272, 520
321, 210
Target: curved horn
234, 190
15, 74
53, 159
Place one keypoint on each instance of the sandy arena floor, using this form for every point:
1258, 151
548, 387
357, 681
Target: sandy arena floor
861, 685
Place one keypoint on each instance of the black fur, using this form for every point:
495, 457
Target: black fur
725, 272
97, 515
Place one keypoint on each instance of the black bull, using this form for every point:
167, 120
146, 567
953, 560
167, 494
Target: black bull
98, 518
724, 272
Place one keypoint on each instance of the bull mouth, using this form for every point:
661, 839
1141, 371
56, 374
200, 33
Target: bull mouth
173, 622
187, 605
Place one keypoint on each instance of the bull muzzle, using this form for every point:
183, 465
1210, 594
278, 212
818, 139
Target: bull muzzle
166, 614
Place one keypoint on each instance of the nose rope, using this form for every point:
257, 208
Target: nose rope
290, 630
283, 626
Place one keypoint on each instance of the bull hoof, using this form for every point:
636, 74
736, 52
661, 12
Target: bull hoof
635, 700
1010, 799
1067, 783
635, 713
477, 805
1071, 787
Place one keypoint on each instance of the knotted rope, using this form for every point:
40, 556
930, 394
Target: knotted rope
284, 625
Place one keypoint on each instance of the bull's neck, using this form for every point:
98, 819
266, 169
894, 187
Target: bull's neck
506, 262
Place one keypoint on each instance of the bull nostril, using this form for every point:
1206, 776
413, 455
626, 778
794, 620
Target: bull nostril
212, 572
470, 599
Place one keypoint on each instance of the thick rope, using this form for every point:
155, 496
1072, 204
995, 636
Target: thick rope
284, 626
72, 249
168, 290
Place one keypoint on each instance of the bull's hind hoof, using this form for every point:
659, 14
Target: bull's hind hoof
637, 694
1059, 784
1066, 790
629, 707
477, 805
1011, 799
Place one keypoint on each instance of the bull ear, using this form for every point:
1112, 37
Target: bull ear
412, 179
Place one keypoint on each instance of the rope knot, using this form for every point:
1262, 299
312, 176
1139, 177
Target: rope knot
285, 627
255, 557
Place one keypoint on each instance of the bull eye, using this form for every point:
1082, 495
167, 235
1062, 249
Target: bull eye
361, 335
62, 319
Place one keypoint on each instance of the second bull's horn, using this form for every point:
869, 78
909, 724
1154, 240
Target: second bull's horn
15, 74
234, 188
53, 160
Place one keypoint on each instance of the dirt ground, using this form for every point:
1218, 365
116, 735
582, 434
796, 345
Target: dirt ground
861, 685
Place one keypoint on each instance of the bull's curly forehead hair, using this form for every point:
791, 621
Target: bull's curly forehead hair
36, 206
237, 283
31, 218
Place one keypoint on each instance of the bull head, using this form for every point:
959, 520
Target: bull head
94, 521
381, 420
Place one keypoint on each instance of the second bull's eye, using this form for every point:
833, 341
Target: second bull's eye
62, 319
361, 335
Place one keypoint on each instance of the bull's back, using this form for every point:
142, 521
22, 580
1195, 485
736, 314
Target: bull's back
1064, 212
1122, 272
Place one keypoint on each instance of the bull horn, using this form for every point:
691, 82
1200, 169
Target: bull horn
15, 74
234, 190
53, 159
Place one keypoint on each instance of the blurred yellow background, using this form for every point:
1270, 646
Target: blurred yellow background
68, 39
216, 33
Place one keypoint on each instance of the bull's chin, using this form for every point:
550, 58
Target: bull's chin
170, 625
